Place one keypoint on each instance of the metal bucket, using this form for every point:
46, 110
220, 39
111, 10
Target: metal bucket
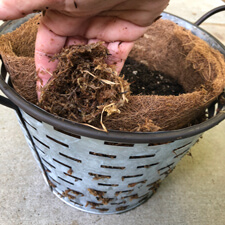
98, 172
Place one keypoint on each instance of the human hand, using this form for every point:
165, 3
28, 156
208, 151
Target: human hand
66, 22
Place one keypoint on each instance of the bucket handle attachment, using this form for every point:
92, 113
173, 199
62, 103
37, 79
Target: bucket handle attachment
3, 100
6, 102
209, 14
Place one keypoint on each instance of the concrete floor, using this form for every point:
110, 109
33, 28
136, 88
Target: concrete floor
193, 194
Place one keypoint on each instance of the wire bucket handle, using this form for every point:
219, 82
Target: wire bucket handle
209, 14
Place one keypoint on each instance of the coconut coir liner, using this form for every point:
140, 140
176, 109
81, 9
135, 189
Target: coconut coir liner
17, 51
186, 58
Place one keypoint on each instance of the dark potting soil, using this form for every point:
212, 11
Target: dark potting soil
146, 82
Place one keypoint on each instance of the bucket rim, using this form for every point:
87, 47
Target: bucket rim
112, 135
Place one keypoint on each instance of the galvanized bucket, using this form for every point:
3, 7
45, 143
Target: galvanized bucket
98, 172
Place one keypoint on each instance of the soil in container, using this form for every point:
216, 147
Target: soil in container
146, 82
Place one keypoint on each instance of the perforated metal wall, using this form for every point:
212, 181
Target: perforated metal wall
99, 176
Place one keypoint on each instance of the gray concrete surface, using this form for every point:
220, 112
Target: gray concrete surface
193, 194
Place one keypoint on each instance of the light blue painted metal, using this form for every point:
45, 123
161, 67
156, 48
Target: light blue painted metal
98, 176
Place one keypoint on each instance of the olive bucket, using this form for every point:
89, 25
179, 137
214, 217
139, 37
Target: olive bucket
105, 172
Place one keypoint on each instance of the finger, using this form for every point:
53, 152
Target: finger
111, 29
92, 41
104, 28
142, 13
119, 35
119, 52
76, 40
47, 45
